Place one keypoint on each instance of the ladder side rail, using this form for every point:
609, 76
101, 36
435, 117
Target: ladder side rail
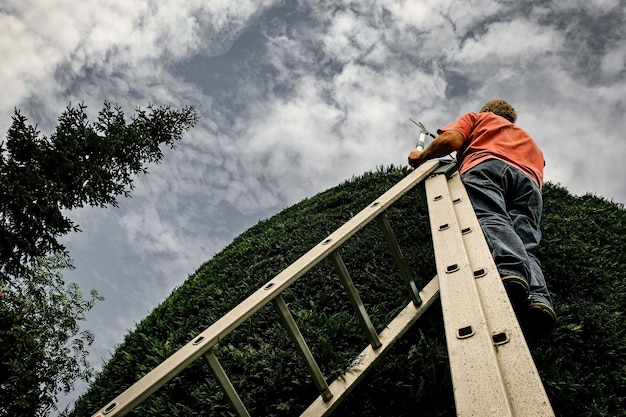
525, 389
181, 359
478, 388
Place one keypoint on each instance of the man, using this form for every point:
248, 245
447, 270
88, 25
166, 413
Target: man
502, 169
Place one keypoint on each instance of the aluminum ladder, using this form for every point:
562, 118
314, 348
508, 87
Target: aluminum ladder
493, 373
508, 383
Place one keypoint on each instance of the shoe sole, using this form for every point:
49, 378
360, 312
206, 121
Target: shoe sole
517, 289
540, 320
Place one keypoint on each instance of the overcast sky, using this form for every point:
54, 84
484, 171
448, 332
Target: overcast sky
295, 97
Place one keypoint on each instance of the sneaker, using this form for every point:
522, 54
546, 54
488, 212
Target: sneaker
517, 288
539, 320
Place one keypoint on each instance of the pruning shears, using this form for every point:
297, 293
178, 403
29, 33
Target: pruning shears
423, 133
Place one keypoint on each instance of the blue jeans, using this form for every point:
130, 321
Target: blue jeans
508, 205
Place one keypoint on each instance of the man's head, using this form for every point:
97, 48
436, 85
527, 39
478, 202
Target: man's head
501, 108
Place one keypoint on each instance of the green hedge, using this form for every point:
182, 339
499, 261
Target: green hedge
582, 364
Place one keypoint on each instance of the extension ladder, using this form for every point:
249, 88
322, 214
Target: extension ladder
493, 373
492, 370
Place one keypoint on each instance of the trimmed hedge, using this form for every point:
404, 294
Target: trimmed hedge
582, 364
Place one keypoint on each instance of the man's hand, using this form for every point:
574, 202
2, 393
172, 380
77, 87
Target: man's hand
415, 158
447, 142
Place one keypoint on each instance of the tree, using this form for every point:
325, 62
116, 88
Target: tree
42, 350
82, 163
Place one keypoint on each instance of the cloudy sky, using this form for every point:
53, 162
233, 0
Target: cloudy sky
295, 97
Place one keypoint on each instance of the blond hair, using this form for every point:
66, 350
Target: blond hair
501, 108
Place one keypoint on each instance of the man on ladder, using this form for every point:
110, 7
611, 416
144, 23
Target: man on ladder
501, 167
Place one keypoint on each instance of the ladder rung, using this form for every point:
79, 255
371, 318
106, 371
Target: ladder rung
295, 335
224, 382
396, 252
355, 299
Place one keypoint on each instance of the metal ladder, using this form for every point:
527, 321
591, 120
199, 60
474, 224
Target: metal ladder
507, 383
493, 373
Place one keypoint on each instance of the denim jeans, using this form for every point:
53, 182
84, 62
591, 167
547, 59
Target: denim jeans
508, 205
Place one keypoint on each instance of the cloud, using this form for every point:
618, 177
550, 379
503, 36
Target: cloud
593, 7
116, 46
502, 44
613, 63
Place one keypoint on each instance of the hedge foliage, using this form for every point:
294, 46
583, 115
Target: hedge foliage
582, 364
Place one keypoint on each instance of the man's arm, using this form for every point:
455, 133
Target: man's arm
449, 141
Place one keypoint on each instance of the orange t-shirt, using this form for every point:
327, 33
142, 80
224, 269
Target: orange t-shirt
488, 135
